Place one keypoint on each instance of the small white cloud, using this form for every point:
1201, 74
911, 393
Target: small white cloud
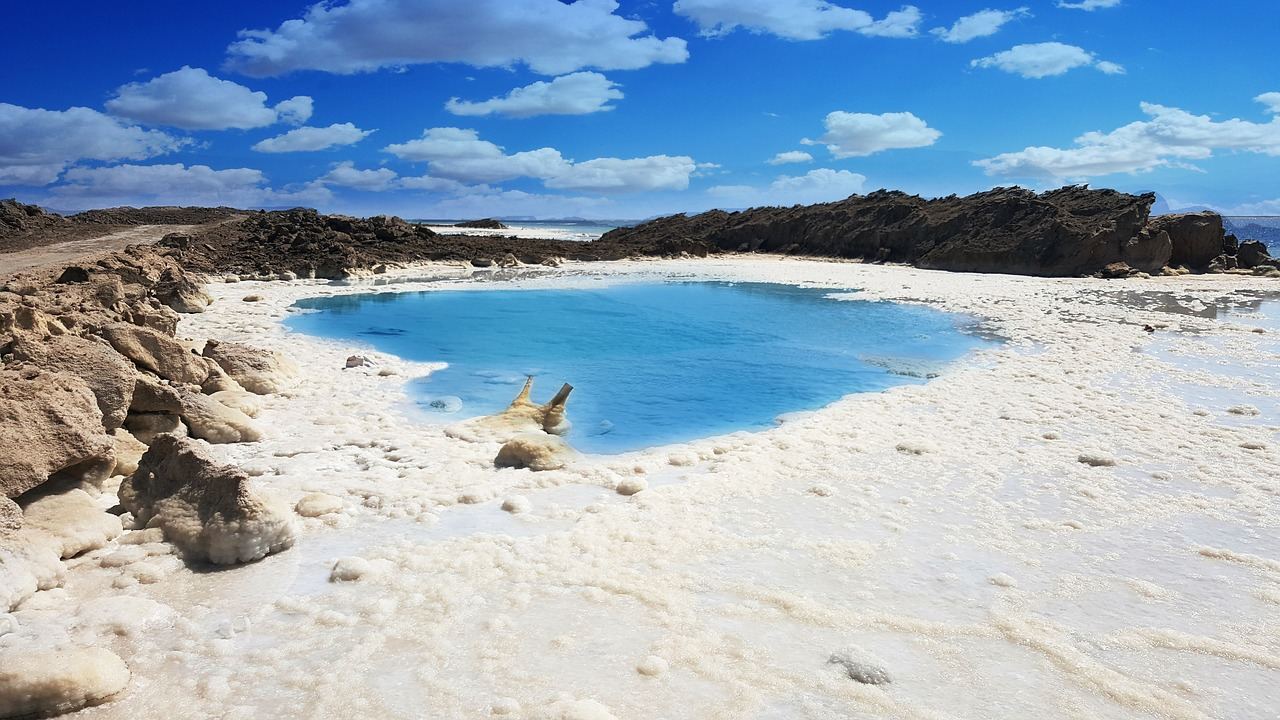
36, 145
1271, 100
459, 154
1171, 137
980, 24
815, 186
176, 184
791, 156
794, 19
306, 139
576, 94
192, 99
1039, 60
345, 174
549, 36
1088, 5
858, 134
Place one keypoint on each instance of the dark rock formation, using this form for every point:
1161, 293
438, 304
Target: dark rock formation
16, 217
1253, 253
1071, 231
1197, 238
485, 224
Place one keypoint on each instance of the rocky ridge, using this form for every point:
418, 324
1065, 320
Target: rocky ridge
1065, 232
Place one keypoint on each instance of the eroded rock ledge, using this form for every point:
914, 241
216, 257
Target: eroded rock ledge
1070, 231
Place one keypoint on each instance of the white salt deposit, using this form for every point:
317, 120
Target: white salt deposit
1146, 587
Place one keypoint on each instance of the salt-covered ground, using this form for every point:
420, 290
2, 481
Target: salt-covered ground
1080, 522
532, 232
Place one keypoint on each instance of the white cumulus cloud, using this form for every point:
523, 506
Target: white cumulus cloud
192, 99
980, 24
791, 156
575, 94
176, 184
345, 174
795, 19
1046, 59
459, 154
858, 134
313, 138
36, 145
549, 36
1170, 137
815, 186
1088, 5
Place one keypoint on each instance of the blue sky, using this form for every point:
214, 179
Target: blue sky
436, 108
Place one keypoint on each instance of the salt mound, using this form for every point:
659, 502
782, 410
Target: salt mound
317, 504
38, 684
535, 451
208, 510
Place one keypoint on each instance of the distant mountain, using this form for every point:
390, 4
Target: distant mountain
1266, 229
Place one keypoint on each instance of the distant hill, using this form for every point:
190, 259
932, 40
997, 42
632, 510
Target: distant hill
1265, 229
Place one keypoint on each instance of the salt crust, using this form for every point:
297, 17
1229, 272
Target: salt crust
753, 557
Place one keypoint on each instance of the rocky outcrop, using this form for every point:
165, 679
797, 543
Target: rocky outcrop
259, 371
109, 375
158, 353
49, 423
1196, 238
207, 509
1253, 253
215, 422
179, 292
482, 224
1070, 231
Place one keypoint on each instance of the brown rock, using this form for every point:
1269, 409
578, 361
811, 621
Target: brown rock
107, 373
176, 290
157, 353
151, 395
259, 371
49, 423
1253, 253
1197, 238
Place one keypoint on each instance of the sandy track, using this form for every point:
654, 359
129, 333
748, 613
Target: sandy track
72, 250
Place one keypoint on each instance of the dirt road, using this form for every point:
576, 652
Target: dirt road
65, 252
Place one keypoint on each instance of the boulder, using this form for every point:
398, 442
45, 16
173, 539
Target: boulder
1197, 238
1148, 251
1253, 253
535, 451
43, 683
207, 509
259, 371
152, 395
146, 427
108, 374
157, 353
49, 423
176, 290
210, 420
1223, 263
129, 451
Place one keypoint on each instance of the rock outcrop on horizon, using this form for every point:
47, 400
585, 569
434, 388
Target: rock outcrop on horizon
1070, 231
482, 224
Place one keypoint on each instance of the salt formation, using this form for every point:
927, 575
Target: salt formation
530, 432
208, 510
258, 371
36, 683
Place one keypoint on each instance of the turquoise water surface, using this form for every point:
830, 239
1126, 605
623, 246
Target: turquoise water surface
651, 363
